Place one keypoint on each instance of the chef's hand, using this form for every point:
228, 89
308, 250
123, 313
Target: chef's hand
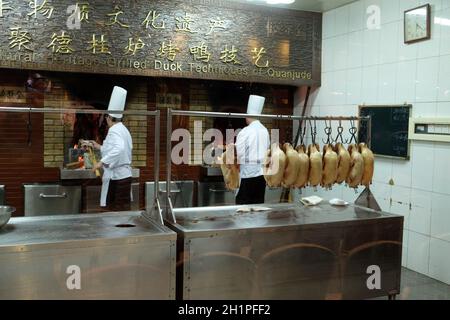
97, 166
91, 144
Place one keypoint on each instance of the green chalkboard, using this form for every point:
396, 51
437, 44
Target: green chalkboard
389, 129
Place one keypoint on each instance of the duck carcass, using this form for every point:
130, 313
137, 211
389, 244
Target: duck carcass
330, 166
356, 167
274, 166
343, 162
230, 169
369, 162
292, 166
315, 165
303, 172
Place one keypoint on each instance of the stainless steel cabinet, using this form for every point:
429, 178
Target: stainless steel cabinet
51, 199
215, 194
181, 193
92, 198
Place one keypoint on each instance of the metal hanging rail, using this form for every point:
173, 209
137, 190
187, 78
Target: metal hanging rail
168, 210
156, 213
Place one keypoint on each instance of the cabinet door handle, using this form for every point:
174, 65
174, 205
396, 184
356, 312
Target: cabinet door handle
219, 190
171, 191
53, 196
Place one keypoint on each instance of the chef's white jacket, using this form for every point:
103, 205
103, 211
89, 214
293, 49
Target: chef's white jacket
116, 157
252, 144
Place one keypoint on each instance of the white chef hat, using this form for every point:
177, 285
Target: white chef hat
255, 104
117, 102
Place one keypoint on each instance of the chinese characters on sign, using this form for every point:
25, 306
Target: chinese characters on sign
134, 46
258, 53
152, 20
19, 39
151, 37
168, 50
114, 18
61, 44
4, 6
44, 8
184, 24
200, 52
99, 45
83, 11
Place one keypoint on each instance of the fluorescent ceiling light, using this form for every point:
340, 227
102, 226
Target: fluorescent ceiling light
275, 1
280, 1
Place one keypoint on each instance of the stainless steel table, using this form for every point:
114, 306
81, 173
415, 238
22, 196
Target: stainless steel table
118, 256
287, 252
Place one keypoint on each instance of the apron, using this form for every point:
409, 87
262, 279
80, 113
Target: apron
106, 179
107, 174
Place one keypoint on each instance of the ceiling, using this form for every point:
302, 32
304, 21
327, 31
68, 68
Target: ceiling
306, 5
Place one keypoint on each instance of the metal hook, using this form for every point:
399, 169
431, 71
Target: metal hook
340, 130
328, 131
302, 135
313, 131
353, 131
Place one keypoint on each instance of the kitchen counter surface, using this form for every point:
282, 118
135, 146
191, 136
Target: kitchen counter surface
71, 229
226, 218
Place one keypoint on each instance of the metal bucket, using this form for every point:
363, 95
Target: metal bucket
5, 214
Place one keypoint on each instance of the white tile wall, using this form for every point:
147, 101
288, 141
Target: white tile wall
369, 90
440, 217
420, 214
374, 67
356, 16
401, 173
427, 79
405, 87
422, 154
354, 82
440, 260
401, 198
355, 49
418, 252
386, 82
371, 47
443, 18
389, 37
441, 176
444, 78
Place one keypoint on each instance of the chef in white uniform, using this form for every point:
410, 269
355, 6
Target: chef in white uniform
252, 144
116, 158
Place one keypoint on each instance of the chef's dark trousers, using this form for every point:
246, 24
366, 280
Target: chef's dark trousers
251, 191
118, 198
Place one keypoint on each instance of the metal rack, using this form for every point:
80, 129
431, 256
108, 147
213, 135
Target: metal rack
155, 213
168, 210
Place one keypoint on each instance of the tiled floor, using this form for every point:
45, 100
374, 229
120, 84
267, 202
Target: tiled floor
416, 286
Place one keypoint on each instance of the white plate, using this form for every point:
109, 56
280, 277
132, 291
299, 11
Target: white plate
338, 202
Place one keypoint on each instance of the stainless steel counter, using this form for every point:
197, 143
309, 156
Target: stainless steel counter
227, 219
75, 174
120, 256
288, 252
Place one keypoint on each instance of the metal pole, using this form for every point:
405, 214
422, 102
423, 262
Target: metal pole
156, 156
168, 159
79, 111
256, 116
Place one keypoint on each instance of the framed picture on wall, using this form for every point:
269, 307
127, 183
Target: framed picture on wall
416, 24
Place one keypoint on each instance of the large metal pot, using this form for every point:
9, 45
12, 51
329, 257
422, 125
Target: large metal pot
5, 214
